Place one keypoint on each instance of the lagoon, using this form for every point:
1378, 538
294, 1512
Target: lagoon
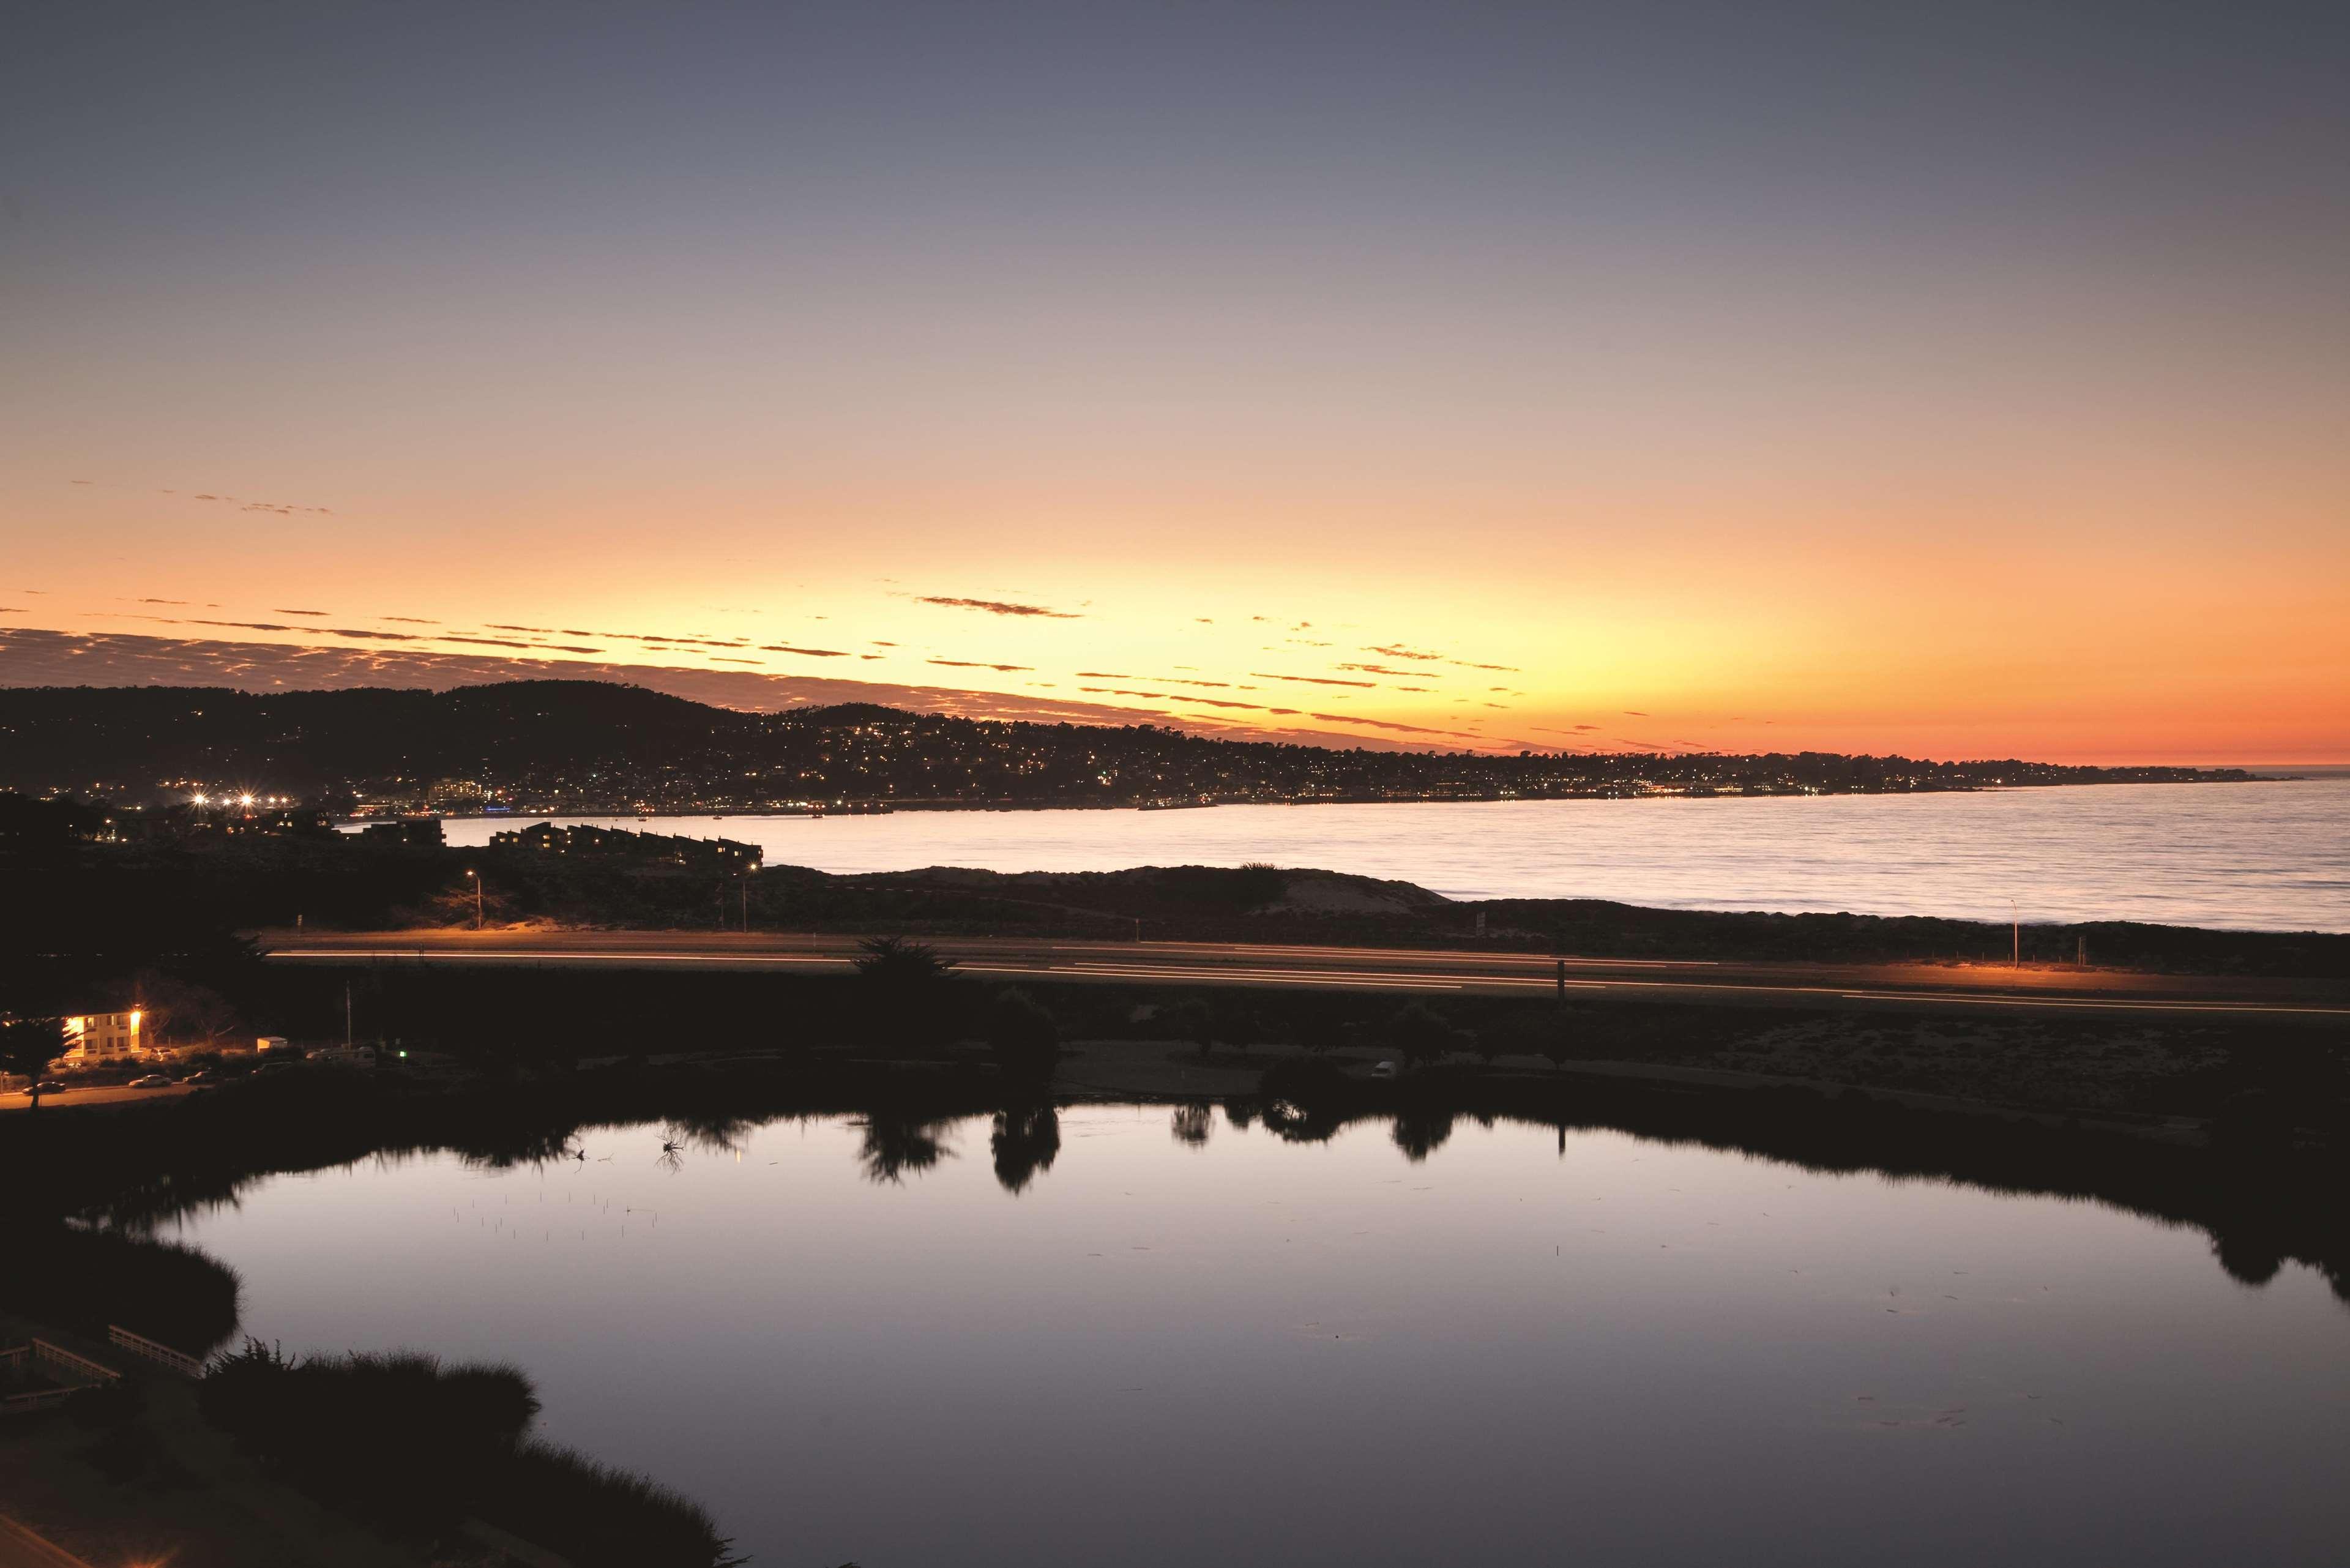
1162, 1336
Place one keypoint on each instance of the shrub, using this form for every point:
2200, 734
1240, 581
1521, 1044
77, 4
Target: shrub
415, 1447
1421, 1034
1023, 1036
85, 1280
600, 1517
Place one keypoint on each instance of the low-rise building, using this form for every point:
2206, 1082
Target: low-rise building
101, 1039
644, 851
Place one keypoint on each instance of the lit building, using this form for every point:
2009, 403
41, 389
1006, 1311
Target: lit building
92, 1038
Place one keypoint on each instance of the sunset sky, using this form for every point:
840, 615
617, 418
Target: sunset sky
1965, 380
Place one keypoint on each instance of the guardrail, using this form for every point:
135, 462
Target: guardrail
179, 1361
59, 1355
38, 1399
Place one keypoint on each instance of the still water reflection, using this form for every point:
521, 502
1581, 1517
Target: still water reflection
1141, 1336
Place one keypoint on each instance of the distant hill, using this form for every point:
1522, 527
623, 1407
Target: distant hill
546, 746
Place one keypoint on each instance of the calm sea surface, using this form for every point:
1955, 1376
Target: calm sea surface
2273, 856
1521, 1349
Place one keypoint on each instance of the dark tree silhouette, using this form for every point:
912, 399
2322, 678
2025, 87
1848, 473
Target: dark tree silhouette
180, 1011
29, 1045
1192, 1019
900, 962
910, 994
1023, 1036
1421, 1034
1322, 1031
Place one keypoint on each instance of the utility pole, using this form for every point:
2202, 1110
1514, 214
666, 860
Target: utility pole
475, 878
2015, 959
347, 1015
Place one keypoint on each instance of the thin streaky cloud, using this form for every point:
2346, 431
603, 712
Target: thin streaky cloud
997, 606
1314, 679
1384, 724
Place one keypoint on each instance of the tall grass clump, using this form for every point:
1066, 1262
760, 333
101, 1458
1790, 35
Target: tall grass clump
600, 1517
85, 1280
414, 1448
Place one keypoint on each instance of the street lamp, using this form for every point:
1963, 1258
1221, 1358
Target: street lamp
475, 878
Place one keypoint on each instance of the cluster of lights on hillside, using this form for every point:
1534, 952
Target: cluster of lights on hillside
200, 798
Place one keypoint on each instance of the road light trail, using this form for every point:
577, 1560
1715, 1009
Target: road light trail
1301, 965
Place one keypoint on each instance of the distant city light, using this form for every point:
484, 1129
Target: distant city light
200, 798
245, 800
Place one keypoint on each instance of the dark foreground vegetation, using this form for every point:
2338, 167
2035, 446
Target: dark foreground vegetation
89, 1280
415, 1447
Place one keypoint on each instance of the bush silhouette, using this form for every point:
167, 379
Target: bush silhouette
1023, 1036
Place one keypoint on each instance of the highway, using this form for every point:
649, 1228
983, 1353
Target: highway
1873, 987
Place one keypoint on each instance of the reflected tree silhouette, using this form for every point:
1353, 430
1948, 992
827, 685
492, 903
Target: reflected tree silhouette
710, 1134
1192, 1122
1025, 1141
1421, 1131
896, 1143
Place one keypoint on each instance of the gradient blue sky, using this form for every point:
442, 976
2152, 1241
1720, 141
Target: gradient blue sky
1968, 380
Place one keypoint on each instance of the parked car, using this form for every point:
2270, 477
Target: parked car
201, 1075
151, 1081
50, 1086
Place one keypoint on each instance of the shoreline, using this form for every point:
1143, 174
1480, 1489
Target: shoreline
879, 806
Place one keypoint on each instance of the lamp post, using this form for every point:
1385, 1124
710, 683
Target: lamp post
2015, 932
475, 878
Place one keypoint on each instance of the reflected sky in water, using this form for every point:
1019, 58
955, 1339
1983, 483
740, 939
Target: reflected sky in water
1186, 1342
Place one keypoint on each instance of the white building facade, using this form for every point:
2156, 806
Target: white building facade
96, 1039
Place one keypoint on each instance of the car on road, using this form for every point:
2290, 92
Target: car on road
201, 1075
151, 1081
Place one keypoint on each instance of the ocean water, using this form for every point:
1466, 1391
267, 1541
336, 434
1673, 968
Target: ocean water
1120, 1336
2271, 856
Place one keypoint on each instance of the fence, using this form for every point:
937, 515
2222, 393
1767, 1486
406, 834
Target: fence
38, 1399
80, 1365
179, 1361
